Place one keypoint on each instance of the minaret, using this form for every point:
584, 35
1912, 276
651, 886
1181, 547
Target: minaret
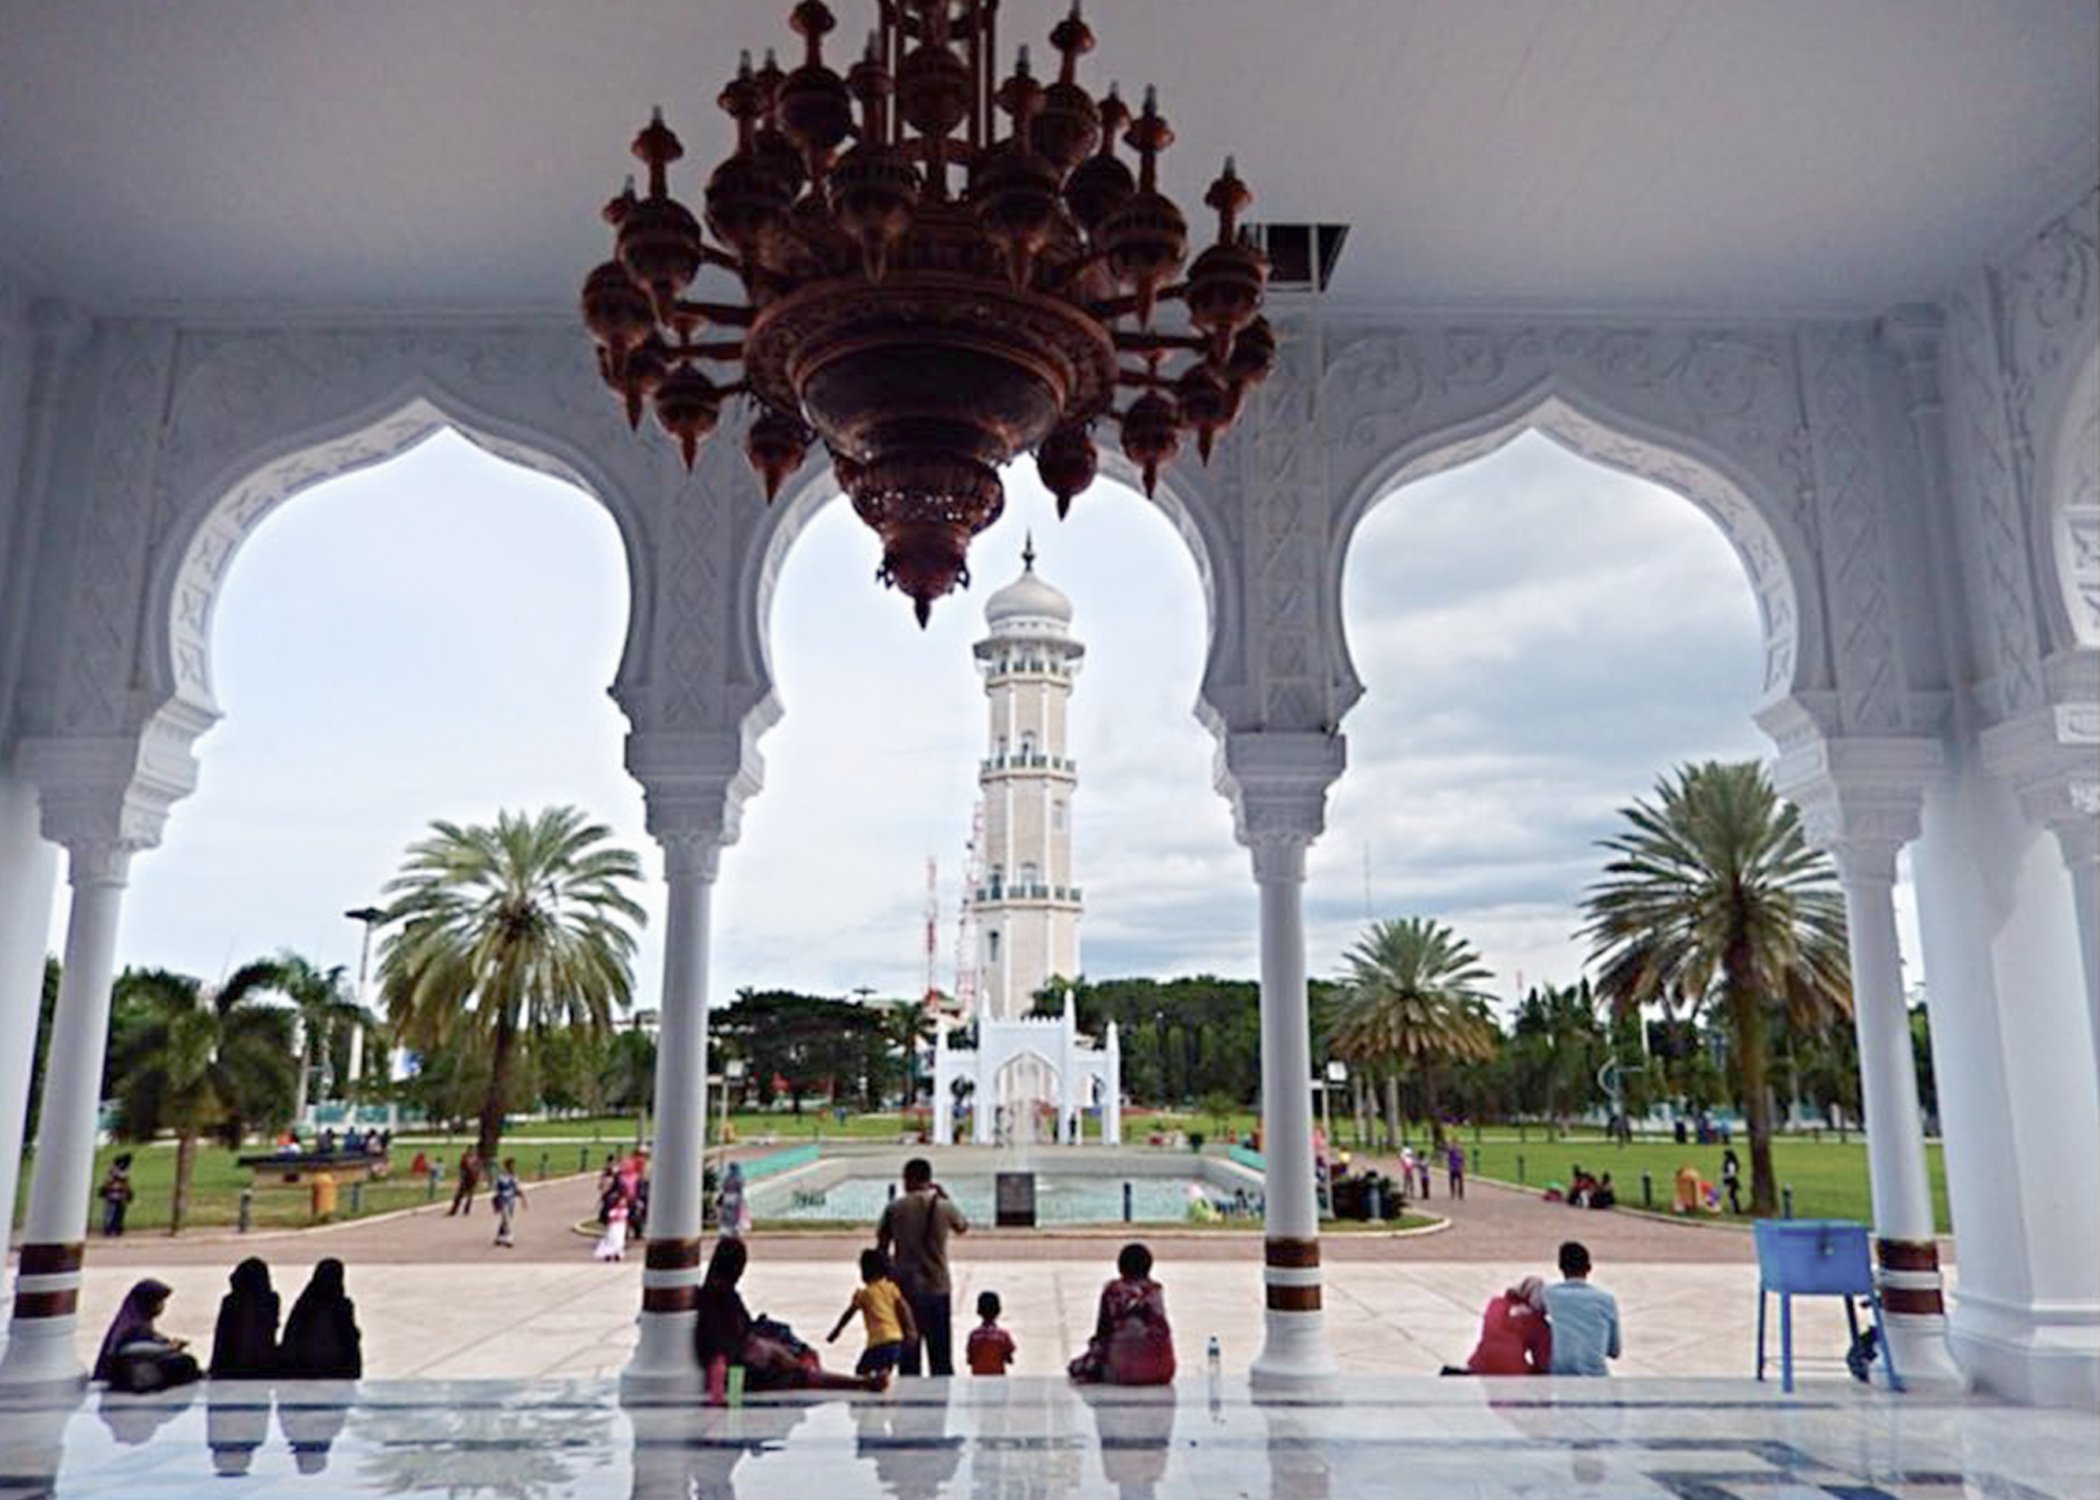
1028, 906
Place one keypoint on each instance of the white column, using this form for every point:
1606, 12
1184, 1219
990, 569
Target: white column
40, 1345
2017, 1096
28, 883
663, 1353
943, 1095
1112, 1090
1294, 1346
2078, 835
1905, 1247
1278, 785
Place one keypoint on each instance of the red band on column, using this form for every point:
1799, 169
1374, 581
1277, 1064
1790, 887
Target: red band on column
670, 1299
1292, 1254
1908, 1255
1921, 1300
672, 1255
59, 1304
52, 1260
1294, 1298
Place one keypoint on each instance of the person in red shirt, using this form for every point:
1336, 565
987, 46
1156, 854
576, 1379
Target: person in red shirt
990, 1348
1514, 1337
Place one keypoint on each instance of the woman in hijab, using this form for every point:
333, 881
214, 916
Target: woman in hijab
244, 1345
1514, 1337
1132, 1343
732, 1217
772, 1357
321, 1341
134, 1355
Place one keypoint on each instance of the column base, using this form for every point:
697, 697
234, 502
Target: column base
1294, 1354
664, 1363
40, 1355
2039, 1356
1924, 1360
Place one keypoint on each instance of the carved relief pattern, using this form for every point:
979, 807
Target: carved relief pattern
697, 528
275, 402
110, 564
2078, 533
1982, 449
1440, 396
1287, 491
1848, 487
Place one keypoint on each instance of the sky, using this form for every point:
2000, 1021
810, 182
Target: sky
1540, 640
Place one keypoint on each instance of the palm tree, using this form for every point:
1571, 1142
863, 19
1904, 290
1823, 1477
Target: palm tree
1411, 997
323, 1006
504, 931
199, 1060
1715, 899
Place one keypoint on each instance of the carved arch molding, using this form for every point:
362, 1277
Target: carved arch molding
1770, 430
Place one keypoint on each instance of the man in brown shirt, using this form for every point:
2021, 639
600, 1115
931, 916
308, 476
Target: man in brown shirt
913, 1232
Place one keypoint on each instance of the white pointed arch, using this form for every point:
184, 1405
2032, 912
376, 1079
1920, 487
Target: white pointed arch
1775, 559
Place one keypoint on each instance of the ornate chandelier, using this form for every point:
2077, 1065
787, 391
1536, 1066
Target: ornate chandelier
929, 335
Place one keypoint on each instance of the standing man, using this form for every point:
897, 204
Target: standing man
116, 1195
1584, 1319
1455, 1168
913, 1232
469, 1180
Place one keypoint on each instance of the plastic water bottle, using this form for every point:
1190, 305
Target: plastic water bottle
1213, 1356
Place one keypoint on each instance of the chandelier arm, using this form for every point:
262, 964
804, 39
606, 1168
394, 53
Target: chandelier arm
726, 352
1149, 342
1057, 278
721, 314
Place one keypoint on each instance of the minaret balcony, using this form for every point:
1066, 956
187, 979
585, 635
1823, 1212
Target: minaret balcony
1016, 895
1016, 762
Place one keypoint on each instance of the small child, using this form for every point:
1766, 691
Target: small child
990, 1348
612, 1245
508, 1197
884, 1314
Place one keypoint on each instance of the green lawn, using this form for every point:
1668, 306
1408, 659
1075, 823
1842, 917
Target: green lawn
1829, 1179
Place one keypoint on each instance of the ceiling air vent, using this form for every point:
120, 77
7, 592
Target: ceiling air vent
1301, 256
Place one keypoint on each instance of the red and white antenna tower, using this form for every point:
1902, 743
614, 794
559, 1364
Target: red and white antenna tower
933, 923
966, 916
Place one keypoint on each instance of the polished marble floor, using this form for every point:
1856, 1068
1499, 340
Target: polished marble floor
1033, 1438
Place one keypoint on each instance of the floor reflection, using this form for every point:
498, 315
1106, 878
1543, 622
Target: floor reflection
513, 1451
236, 1425
683, 1452
133, 1420
908, 1441
1135, 1431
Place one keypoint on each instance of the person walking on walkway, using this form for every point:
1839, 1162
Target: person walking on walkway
506, 1196
1455, 1169
1583, 1319
913, 1232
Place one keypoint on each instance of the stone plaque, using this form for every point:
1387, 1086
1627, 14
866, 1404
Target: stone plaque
1013, 1198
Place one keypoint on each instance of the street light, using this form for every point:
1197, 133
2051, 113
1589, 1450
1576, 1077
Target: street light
370, 917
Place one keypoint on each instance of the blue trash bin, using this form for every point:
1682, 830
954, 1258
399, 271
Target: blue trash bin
1814, 1258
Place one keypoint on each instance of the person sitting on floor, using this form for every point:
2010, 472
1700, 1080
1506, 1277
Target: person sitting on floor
244, 1342
321, 1338
1132, 1342
1604, 1195
135, 1356
1514, 1338
725, 1334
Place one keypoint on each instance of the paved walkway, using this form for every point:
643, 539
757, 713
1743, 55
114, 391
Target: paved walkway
438, 1300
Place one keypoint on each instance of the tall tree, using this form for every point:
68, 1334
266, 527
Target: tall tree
1714, 900
500, 931
1411, 997
198, 1060
323, 1006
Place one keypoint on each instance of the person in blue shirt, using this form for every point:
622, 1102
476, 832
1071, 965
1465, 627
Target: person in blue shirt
1584, 1318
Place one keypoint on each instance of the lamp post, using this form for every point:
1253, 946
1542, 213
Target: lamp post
369, 917
637, 1022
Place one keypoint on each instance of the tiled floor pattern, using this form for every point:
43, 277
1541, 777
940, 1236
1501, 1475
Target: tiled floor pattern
1040, 1439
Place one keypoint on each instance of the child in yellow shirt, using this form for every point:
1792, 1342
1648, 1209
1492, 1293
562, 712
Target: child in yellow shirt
885, 1315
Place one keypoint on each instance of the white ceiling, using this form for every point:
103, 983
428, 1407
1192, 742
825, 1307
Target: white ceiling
1753, 154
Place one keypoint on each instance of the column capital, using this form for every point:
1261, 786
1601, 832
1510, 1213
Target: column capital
1277, 784
106, 797
1861, 798
694, 785
2050, 757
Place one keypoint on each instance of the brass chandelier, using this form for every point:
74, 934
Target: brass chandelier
928, 336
